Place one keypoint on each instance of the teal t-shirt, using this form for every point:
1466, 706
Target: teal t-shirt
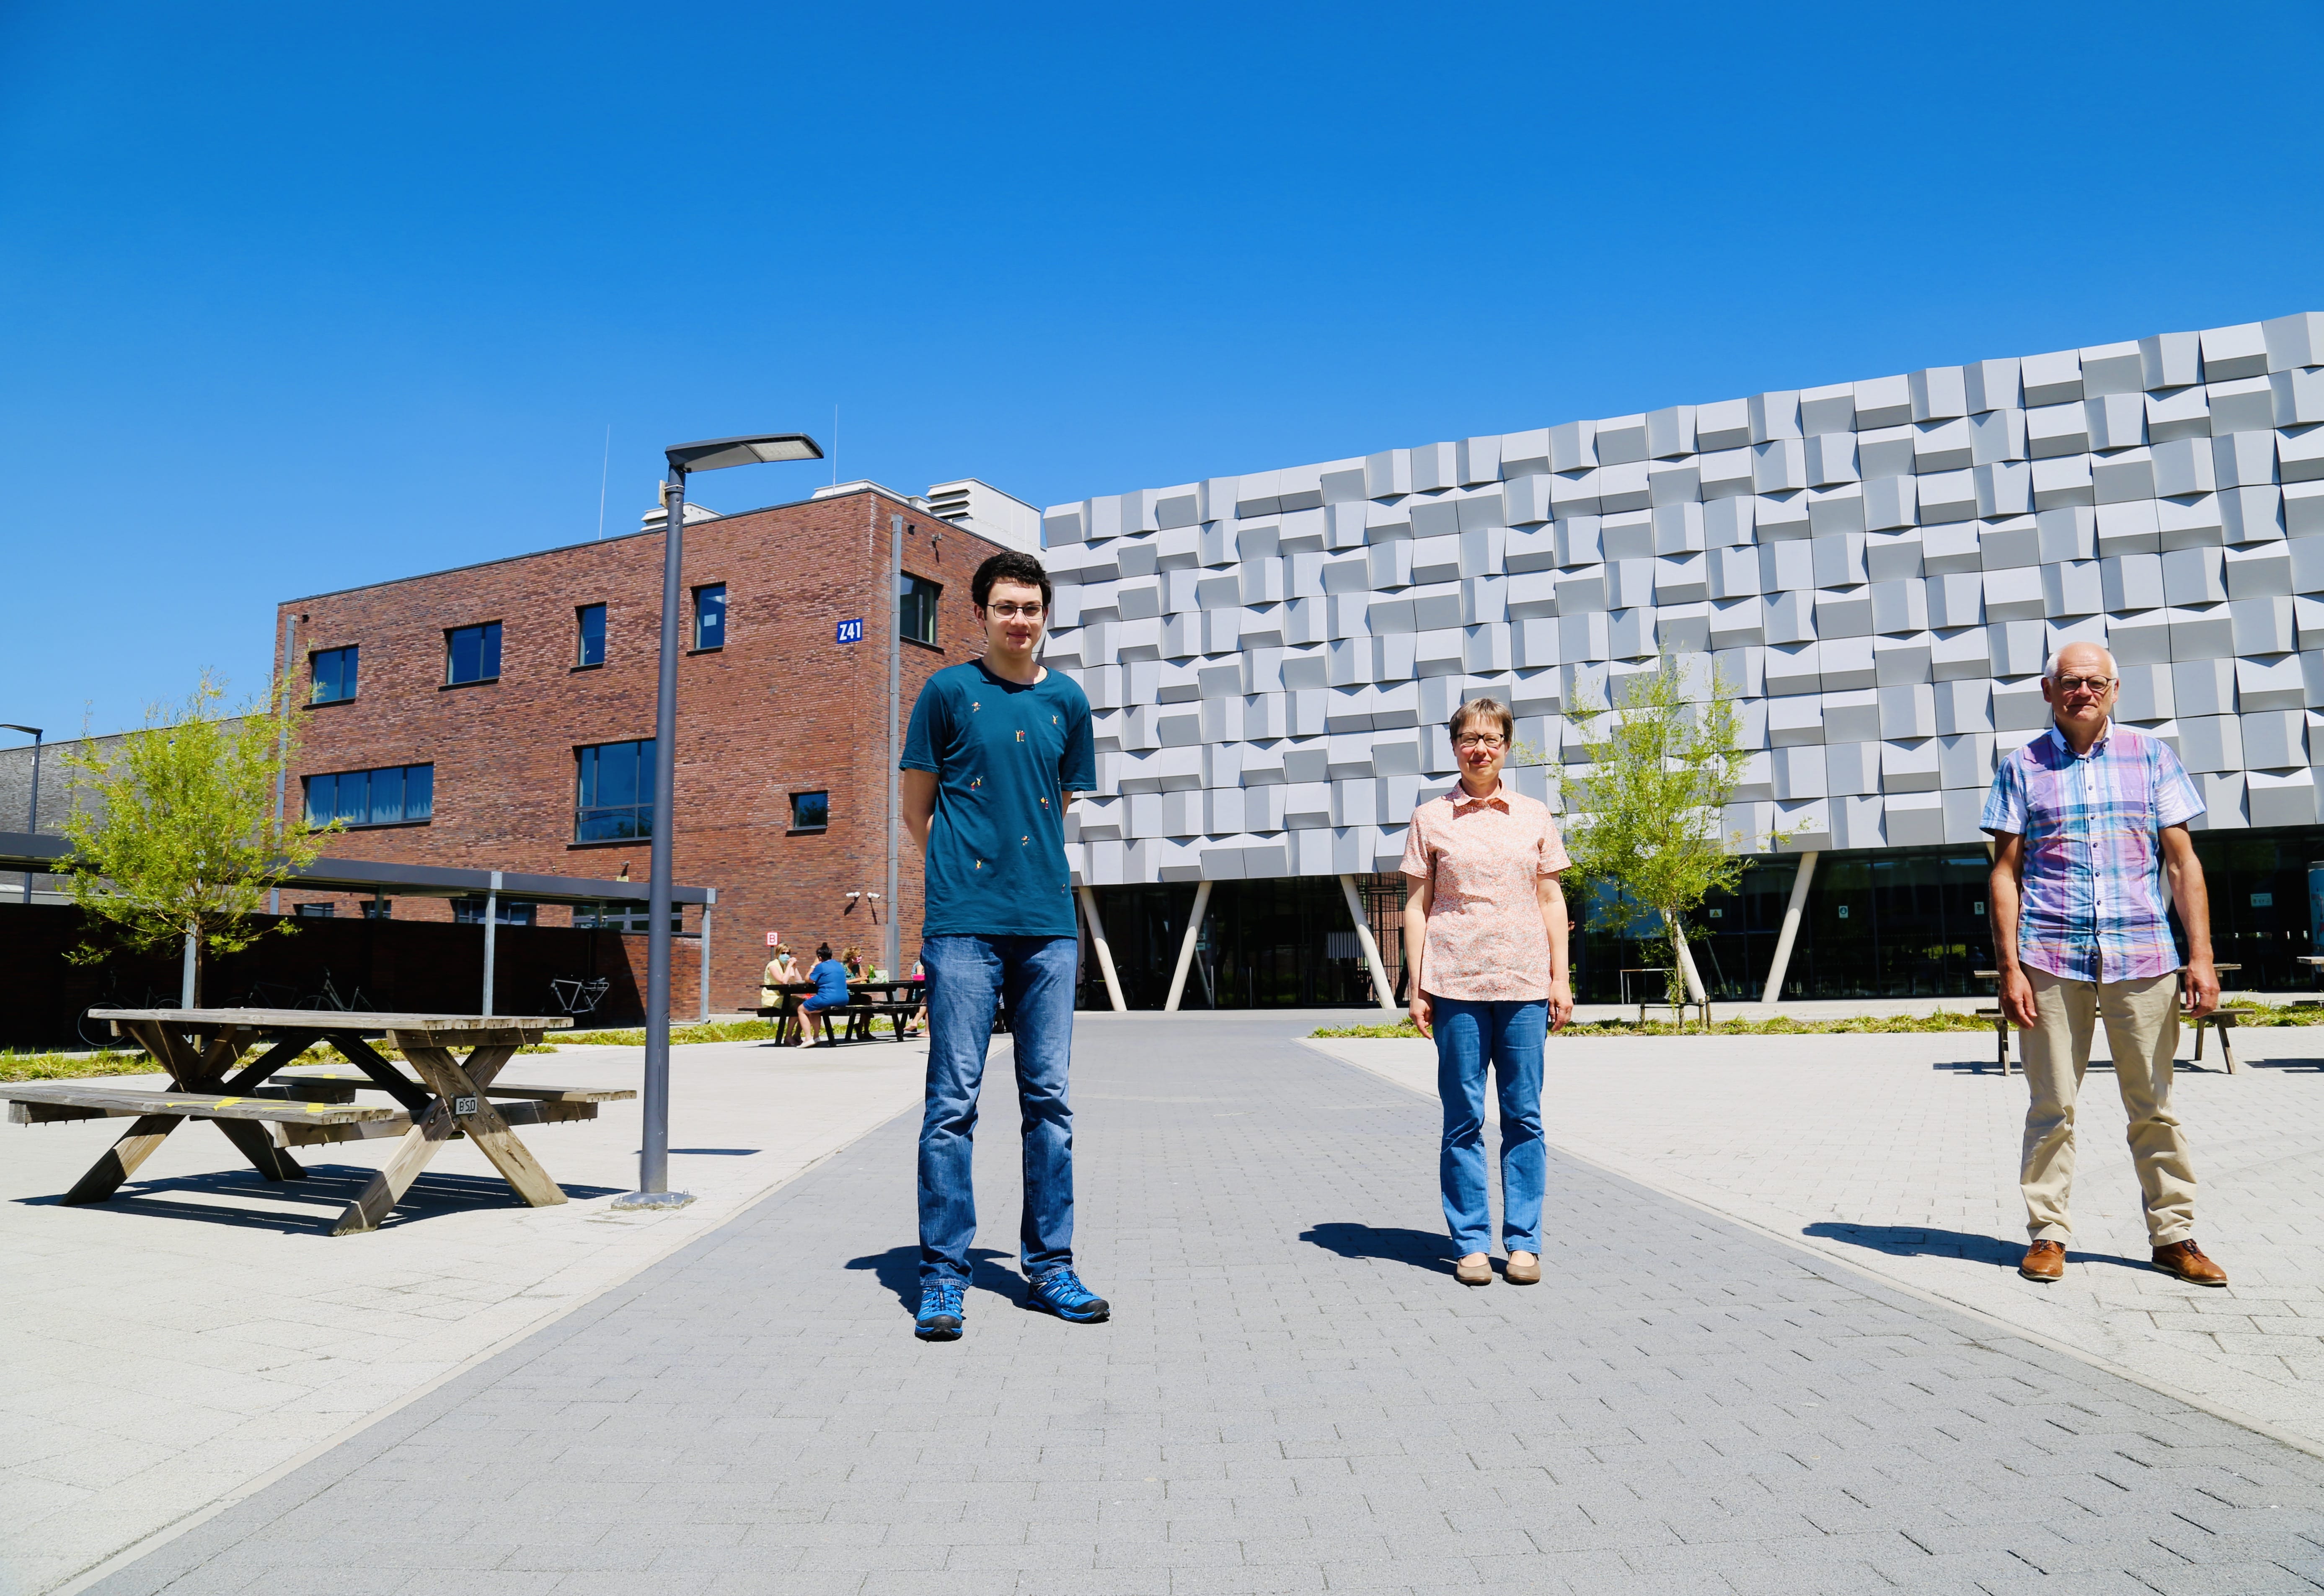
1004, 755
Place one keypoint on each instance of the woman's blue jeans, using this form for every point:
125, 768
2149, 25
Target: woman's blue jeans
967, 976
1508, 1036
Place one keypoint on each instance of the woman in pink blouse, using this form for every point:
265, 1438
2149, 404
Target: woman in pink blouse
1484, 928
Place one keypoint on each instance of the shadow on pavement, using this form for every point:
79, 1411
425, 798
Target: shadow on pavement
898, 1270
1920, 1241
1423, 1250
327, 1190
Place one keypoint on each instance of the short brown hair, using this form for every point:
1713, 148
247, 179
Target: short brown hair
1483, 709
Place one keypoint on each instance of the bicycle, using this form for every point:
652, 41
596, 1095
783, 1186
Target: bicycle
98, 1033
330, 997
569, 994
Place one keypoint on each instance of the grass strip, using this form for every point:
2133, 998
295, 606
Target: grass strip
732, 1031
1948, 1020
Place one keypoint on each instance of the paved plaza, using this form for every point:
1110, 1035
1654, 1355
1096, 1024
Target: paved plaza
1294, 1395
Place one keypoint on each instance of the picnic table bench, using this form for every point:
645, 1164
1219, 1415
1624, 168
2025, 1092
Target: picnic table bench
443, 1097
2222, 1019
862, 1007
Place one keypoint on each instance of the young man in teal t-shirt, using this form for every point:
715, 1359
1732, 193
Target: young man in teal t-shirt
997, 748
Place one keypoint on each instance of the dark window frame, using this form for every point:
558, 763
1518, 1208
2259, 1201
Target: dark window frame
581, 614
695, 631
798, 827
589, 778
489, 640
308, 790
345, 655
922, 597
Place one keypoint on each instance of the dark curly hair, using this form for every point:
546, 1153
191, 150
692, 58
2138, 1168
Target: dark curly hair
1009, 567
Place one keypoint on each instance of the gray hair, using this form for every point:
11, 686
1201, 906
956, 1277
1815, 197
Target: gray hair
2049, 670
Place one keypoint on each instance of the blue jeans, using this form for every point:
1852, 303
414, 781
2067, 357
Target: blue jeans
1508, 1036
966, 975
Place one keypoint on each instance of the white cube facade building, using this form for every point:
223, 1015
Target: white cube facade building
1879, 568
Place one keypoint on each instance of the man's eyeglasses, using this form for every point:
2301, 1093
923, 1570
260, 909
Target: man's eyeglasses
2075, 684
1007, 612
1478, 740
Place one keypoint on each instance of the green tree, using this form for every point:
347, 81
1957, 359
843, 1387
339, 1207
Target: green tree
176, 833
1646, 814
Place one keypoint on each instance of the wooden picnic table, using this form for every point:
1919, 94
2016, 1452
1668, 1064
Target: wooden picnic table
861, 1009
446, 1096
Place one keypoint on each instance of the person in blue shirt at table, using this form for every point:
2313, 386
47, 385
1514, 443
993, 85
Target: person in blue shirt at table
998, 748
830, 978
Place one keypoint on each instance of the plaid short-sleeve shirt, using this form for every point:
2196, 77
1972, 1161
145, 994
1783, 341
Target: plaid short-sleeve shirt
2092, 906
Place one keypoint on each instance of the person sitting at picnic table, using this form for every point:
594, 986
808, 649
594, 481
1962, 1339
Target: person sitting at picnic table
830, 978
1485, 918
782, 970
854, 959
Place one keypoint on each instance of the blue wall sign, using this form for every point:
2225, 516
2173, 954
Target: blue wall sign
852, 632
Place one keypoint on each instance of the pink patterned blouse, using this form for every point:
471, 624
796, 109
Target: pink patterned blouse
1483, 860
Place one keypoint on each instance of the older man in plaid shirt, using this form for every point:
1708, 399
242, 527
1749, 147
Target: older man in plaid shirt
2086, 821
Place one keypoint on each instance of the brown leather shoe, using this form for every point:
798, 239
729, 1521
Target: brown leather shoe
2044, 1261
1475, 1269
2186, 1261
1524, 1269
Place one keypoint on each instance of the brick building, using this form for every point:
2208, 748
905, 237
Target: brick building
501, 716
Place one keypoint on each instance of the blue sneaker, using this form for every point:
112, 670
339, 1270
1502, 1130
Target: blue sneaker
1062, 1293
940, 1317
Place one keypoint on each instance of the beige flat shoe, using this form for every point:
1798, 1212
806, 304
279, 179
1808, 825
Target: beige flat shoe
1524, 1269
1475, 1269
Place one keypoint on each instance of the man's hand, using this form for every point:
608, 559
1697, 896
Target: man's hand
2198, 989
2017, 998
1422, 1012
1561, 1004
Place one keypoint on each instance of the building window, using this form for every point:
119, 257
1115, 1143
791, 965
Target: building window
710, 616
395, 795
333, 672
472, 654
592, 630
613, 793
626, 917
378, 908
811, 811
312, 911
916, 610
507, 911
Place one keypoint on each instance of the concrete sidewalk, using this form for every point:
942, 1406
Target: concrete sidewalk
1898, 1154
1294, 1396
173, 1348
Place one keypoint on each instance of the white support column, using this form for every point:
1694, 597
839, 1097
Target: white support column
491, 924
186, 976
1686, 961
1104, 953
706, 907
1791, 931
1365, 940
1187, 944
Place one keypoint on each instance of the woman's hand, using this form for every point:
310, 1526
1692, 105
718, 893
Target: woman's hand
1560, 1003
1423, 1013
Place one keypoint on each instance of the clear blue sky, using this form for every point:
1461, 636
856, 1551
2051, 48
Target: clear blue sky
298, 297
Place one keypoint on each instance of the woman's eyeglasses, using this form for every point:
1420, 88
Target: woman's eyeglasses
1479, 739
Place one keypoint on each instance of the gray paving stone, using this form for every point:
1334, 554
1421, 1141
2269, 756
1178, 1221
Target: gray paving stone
1295, 1396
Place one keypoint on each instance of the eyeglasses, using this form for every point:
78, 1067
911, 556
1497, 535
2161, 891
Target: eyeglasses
2075, 684
1478, 740
1031, 612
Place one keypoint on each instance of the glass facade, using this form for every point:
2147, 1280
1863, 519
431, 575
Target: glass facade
614, 792
1282, 943
395, 795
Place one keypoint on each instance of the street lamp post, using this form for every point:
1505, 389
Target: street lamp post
33, 823
710, 455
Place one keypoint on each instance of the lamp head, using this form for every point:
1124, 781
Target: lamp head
715, 454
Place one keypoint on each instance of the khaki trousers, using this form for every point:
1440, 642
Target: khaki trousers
2142, 1022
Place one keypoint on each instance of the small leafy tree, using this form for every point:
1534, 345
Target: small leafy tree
176, 833
1646, 814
